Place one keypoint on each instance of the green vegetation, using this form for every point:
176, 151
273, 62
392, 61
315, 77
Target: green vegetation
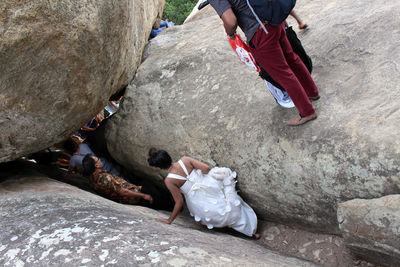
177, 10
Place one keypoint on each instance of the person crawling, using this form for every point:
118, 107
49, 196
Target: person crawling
117, 189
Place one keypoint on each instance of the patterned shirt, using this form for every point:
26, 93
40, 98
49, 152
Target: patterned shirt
110, 185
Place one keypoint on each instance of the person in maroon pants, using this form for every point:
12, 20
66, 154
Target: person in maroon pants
274, 53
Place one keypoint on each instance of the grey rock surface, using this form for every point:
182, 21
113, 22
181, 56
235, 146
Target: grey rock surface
192, 96
59, 63
371, 228
49, 223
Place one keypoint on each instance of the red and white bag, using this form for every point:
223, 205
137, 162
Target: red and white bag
243, 52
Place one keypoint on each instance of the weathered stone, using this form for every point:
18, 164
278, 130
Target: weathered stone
45, 222
197, 14
59, 63
192, 96
371, 228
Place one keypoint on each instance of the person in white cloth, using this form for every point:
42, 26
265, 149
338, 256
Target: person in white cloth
209, 193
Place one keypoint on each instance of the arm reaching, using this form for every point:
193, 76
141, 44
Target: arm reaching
114, 187
230, 22
87, 129
176, 194
130, 194
69, 172
197, 164
301, 24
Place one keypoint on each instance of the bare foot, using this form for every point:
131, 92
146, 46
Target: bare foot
298, 120
303, 26
256, 236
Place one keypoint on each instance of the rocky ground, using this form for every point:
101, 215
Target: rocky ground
324, 249
320, 248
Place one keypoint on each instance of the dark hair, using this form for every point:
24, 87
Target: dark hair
159, 158
69, 146
88, 165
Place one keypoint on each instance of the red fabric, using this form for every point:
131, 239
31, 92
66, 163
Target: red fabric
275, 54
242, 50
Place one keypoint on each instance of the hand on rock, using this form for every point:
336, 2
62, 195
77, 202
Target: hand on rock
148, 198
163, 220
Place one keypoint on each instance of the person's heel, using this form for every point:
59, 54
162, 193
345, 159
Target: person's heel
299, 120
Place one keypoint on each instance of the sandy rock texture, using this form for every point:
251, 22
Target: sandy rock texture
371, 228
59, 63
324, 249
45, 222
192, 96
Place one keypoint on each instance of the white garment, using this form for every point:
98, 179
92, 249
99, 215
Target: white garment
111, 109
213, 200
281, 97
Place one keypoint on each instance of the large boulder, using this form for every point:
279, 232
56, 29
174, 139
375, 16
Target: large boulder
192, 96
371, 228
49, 223
59, 63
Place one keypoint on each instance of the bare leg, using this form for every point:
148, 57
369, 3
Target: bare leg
256, 236
301, 24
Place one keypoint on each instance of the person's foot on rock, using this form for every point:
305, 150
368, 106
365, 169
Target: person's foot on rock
303, 26
256, 236
299, 120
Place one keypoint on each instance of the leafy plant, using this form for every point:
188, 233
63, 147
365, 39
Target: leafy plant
178, 10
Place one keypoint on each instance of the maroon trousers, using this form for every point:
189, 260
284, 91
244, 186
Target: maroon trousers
275, 54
